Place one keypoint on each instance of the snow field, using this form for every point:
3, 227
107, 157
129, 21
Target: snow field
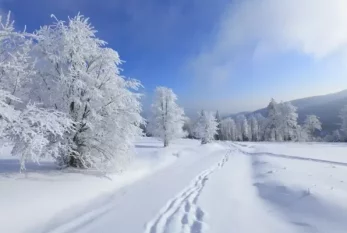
185, 188
45, 197
305, 184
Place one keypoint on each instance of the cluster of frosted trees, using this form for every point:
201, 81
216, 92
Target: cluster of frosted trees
167, 119
62, 95
280, 124
168, 122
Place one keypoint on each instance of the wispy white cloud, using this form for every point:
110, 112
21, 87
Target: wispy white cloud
316, 28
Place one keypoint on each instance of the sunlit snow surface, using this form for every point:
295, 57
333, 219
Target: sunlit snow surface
186, 188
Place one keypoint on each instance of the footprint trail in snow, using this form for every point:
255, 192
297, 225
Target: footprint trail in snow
182, 213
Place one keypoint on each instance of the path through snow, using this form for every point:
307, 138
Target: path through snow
182, 214
188, 188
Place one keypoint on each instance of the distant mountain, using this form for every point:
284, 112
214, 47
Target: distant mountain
326, 107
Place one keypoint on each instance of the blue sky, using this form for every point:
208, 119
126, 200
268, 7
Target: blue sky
226, 55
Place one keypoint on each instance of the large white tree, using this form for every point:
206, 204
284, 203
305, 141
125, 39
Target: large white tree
80, 76
36, 132
206, 126
167, 119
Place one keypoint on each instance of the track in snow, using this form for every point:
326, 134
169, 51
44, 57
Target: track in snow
182, 213
285, 156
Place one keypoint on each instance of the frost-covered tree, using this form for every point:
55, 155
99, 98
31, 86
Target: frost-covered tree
254, 128
38, 133
206, 126
167, 118
289, 121
337, 136
238, 121
311, 125
243, 128
35, 132
262, 122
16, 66
219, 133
188, 128
281, 122
273, 131
228, 129
343, 116
80, 76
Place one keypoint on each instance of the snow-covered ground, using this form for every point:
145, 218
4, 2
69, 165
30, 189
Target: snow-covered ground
186, 188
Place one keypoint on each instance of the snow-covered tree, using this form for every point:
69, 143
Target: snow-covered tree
289, 121
262, 122
254, 128
238, 122
273, 125
228, 129
188, 127
16, 66
35, 132
79, 76
302, 134
206, 126
337, 136
311, 125
167, 118
243, 128
218, 119
343, 116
